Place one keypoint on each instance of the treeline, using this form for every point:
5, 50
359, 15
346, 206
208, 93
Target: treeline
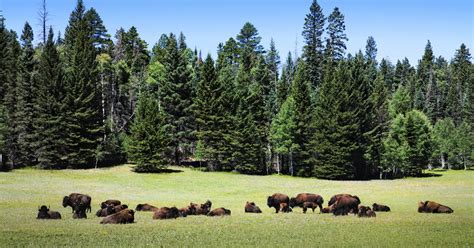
86, 101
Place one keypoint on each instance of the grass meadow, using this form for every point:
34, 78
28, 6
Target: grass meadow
22, 191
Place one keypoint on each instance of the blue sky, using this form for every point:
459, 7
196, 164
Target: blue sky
401, 28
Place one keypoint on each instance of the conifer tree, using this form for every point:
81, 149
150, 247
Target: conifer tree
459, 97
249, 45
84, 122
175, 97
49, 135
273, 64
335, 43
426, 90
150, 139
26, 88
313, 49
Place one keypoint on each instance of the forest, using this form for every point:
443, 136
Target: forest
90, 99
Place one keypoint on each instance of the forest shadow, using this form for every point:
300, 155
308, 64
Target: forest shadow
429, 174
158, 171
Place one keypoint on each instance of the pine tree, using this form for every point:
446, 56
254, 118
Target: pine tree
426, 90
4, 83
228, 55
371, 49
249, 45
26, 88
84, 121
210, 114
101, 39
459, 97
150, 139
418, 138
273, 63
284, 84
335, 44
175, 97
303, 114
336, 126
313, 49
49, 135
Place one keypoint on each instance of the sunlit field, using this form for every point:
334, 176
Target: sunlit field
22, 191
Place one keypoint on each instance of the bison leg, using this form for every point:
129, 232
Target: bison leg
277, 209
304, 210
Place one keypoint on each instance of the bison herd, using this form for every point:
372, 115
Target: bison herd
114, 212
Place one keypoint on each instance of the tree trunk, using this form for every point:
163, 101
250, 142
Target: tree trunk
278, 164
443, 161
291, 163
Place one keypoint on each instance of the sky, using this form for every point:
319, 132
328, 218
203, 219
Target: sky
401, 28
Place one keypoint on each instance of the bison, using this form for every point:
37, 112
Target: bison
301, 198
188, 210
110, 210
310, 205
107, 203
219, 212
146, 207
250, 207
345, 204
166, 213
380, 207
202, 209
275, 200
80, 212
45, 213
433, 207
365, 211
326, 210
285, 207
334, 198
125, 216
76, 199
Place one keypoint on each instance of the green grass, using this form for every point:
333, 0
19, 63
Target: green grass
21, 191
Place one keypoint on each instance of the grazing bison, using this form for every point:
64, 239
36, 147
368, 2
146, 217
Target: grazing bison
326, 210
345, 204
250, 207
433, 207
334, 198
110, 202
275, 200
365, 211
219, 212
146, 207
166, 213
110, 210
123, 217
202, 209
45, 213
311, 205
380, 207
76, 199
301, 198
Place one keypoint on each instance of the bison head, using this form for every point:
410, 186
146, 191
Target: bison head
270, 201
66, 201
421, 207
103, 205
139, 207
207, 204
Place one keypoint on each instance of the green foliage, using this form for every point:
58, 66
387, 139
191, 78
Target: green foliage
400, 102
149, 141
443, 140
335, 43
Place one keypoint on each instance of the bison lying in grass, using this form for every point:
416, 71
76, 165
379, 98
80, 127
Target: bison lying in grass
166, 213
433, 207
250, 207
380, 208
110, 210
125, 216
365, 211
146, 207
45, 213
107, 203
219, 212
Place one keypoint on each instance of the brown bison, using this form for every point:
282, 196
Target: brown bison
326, 210
380, 207
365, 211
301, 198
433, 207
275, 200
80, 212
345, 204
166, 213
219, 212
76, 199
123, 217
310, 205
110, 202
202, 209
110, 210
146, 207
334, 198
188, 210
45, 213
250, 207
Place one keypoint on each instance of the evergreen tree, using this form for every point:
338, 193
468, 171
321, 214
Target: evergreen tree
458, 97
84, 121
336, 126
175, 97
26, 92
418, 138
49, 135
228, 55
273, 64
371, 49
335, 43
249, 45
150, 139
101, 39
426, 90
303, 114
443, 141
313, 49
284, 84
